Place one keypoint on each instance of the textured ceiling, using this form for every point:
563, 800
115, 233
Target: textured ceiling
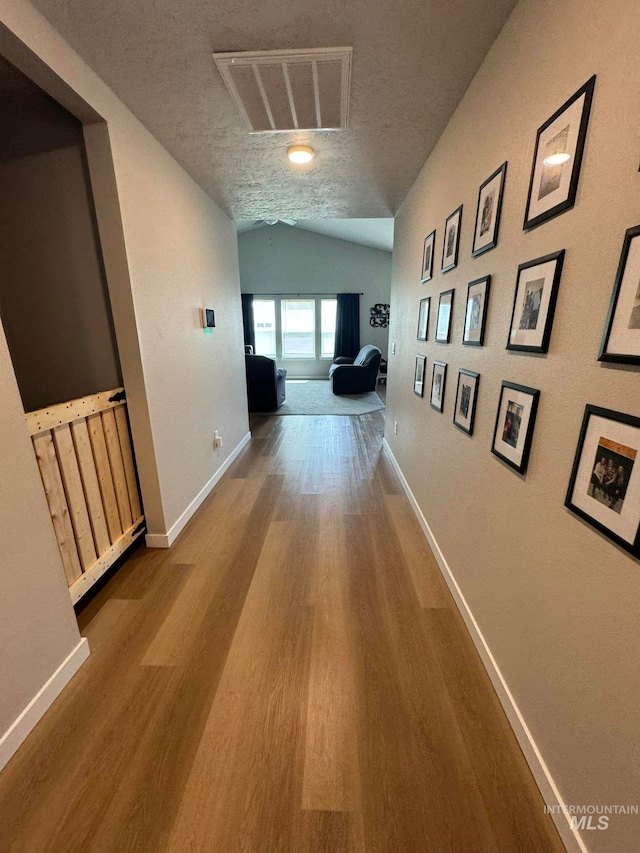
376, 233
412, 61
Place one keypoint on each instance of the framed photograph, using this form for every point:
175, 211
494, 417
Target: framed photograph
451, 240
557, 158
427, 257
515, 420
621, 339
464, 412
418, 381
443, 324
534, 303
475, 316
604, 488
485, 236
438, 379
423, 318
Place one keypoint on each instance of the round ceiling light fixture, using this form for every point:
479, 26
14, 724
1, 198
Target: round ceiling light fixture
557, 159
300, 153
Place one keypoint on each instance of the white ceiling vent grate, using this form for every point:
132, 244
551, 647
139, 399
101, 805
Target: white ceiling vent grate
285, 90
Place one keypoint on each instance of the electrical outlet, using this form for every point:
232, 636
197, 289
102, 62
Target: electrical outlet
217, 441
395, 427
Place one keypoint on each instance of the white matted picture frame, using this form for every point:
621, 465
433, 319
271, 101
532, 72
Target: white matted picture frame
604, 486
515, 420
485, 235
475, 318
557, 158
423, 319
451, 240
534, 303
427, 257
464, 412
418, 379
443, 320
438, 382
621, 338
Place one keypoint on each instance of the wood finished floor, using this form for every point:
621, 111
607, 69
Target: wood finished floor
291, 677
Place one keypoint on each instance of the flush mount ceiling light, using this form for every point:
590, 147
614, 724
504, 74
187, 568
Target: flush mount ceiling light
556, 159
300, 153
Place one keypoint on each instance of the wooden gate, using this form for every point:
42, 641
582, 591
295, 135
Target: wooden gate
84, 454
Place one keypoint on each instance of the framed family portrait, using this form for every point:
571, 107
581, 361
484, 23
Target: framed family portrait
621, 339
534, 303
451, 240
427, 257
517, 408
423, 318
443, 320
418, 380
438, 379
485, 236
475, 317
557, 158
464, 412
604, 488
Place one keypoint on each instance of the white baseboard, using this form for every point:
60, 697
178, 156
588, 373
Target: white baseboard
42, 701
166, 540
549, 790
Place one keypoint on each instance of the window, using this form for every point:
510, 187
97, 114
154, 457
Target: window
295, 327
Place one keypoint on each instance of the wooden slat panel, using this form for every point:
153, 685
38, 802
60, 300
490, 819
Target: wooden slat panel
117, 468
105, 561
127, 459
76, 501
52, 481
103, 468
64, 413
87, 465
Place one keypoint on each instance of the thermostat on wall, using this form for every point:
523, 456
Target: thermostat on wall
208, 318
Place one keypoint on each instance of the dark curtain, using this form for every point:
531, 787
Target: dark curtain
347, 325
247, 320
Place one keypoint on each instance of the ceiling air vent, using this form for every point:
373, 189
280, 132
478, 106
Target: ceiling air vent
285, 90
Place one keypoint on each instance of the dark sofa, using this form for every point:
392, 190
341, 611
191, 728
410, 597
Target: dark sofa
356, 375
265, 383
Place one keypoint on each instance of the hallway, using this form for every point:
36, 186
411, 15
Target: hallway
292, 676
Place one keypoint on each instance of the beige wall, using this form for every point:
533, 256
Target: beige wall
557, 603
284, 259
171, 252
37, 625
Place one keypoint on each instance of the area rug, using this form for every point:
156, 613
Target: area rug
314, 397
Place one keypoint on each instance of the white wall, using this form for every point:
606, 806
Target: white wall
168, 251
557, 603
283, 259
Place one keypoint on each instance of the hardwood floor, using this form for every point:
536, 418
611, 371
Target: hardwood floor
291, 677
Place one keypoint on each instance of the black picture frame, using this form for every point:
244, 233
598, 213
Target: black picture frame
441, 319
451, 240
477, 301
427, 261
488, 212
543, 179
625, 279
602, 504
523, 314
423, 318
442, 374
518, 458
419, 375
464, 411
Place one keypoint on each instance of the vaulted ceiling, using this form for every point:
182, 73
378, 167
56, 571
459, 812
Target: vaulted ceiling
412, 62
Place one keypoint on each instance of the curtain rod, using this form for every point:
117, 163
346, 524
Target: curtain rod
258, 295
